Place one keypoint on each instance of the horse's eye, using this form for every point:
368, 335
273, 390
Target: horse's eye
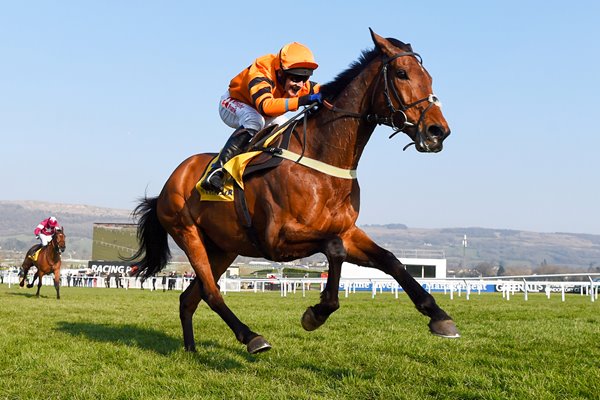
401, 74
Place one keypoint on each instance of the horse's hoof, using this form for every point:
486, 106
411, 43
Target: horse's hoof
309, 320
445, 329
258, 345
22, 283
191, 349
29, 286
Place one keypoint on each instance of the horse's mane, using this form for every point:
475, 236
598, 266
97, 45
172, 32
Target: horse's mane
331, 89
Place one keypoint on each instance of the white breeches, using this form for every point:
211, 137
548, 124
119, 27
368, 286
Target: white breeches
45, 239
236, 113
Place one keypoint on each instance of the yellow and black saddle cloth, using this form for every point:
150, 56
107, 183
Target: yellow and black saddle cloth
34, 252
268, 149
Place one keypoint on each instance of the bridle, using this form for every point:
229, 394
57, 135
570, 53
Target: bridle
58, 249
396, 119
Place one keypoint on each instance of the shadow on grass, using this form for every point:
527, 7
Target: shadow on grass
211, 354
30, 294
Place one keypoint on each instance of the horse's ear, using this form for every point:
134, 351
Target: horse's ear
383, 44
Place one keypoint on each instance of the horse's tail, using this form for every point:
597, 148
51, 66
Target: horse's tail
154, 253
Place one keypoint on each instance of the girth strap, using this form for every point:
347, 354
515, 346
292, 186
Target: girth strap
314, 164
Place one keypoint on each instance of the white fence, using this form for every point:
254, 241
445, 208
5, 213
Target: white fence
453, 287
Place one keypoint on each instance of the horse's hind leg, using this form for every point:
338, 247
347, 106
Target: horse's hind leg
188, 303
193, 245
25, 270
35, 276
316, 315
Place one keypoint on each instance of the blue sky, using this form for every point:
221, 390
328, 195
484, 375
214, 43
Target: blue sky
101, 100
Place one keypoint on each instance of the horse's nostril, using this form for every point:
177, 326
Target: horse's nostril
437, 132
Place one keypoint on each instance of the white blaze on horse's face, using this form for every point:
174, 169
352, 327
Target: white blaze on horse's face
425, 123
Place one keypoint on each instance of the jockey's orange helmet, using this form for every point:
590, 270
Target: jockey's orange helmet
52, 222
297, 59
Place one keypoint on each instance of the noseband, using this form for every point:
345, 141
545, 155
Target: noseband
57, 248
397, 118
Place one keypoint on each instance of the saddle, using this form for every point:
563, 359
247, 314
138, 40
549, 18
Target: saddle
258, 157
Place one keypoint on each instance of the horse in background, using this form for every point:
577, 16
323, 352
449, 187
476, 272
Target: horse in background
295, 211
47, 260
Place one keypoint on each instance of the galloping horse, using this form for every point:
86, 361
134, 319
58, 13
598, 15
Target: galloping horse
48, 261
297, 211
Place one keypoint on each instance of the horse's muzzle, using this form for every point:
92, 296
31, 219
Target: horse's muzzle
432, 140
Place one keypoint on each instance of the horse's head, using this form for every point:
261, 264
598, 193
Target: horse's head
403, 97
59, 241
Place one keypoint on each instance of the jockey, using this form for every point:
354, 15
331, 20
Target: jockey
46, 229
259, 96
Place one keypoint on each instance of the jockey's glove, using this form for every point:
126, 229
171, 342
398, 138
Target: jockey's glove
309, 99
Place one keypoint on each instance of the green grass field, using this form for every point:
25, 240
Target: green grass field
117, 344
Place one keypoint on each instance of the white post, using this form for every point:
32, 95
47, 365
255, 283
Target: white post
525, 288
562, 289
451, 292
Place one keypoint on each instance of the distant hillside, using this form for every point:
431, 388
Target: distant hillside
19, 218
496, 246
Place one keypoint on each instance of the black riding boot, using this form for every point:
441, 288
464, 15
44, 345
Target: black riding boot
235, 145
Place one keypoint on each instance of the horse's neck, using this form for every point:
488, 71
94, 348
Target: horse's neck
340, 138
51, 254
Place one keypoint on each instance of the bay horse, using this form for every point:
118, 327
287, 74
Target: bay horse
48, 261
297, 211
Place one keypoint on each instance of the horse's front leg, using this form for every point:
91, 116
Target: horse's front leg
316, 315
56, 282
363, 251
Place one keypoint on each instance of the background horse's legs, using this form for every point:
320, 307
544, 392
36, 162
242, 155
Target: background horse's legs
316, 315
37, 275
363, 251
27, 263
56, 281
